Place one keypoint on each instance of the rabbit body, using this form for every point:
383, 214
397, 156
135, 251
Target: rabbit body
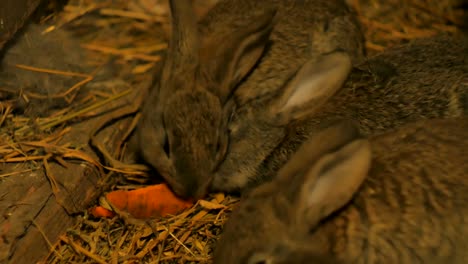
427, 78
396, 197
241, 51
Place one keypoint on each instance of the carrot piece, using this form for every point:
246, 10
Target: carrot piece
100, 211
149, 202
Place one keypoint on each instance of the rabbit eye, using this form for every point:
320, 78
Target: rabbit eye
220, 150
166, 146
218, 146
260, 262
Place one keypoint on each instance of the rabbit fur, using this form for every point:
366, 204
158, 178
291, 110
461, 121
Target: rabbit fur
395, 197
240, 52
427, 78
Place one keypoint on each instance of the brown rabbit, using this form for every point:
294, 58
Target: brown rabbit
240, 51
427, 78
407, 205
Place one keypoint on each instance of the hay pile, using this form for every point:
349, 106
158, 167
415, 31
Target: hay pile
129, 37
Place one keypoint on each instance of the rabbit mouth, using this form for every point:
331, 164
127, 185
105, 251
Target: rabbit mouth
195, 190
204, 189
176, 187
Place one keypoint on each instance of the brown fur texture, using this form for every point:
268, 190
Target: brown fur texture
242, 51
427, 78
408, 205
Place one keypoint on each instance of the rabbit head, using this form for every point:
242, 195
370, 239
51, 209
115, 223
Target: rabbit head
262, 128
274, 219
182, 133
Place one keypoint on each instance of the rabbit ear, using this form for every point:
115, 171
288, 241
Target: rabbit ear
178, 68
329, 184
184, 43
315, 83
228, 58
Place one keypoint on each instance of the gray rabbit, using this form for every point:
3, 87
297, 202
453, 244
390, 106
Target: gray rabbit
427, 78
396, 197
241, 53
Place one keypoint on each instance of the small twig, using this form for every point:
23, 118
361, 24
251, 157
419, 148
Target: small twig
5, 112
14, 173
85, 252
28, 158
178, 241
130, 14
82, 111
74, 12
115, 51
57, 72
50, 176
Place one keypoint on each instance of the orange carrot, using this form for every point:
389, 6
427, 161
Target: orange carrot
145, 203
100, 211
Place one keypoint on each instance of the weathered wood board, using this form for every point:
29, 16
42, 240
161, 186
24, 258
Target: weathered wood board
33, 217
13, 15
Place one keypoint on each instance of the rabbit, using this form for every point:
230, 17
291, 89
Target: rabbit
241, 50
426, 78
395, 197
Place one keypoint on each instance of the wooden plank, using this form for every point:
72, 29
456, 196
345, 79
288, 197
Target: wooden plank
35, 216
13, 15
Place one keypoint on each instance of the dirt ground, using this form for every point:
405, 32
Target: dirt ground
87, 64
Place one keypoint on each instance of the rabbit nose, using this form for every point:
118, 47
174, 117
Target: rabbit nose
203, 189
196, 186
192, 177
198, 189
